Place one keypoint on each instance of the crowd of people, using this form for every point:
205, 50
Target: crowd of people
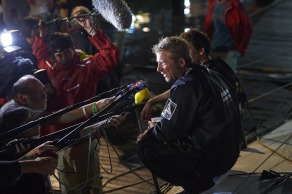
199, 125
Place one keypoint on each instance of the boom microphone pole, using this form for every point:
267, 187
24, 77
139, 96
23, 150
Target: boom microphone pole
67, 19
129, 91
4, 137
34, 142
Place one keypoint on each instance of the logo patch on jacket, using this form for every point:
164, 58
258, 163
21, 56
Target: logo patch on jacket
169, 109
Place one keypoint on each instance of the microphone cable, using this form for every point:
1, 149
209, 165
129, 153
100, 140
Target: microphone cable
91, 153
131, 170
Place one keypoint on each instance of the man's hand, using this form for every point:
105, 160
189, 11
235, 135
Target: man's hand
46, 165
101, 104
146, 112
47, 146
40, 165
142, 136
146, 132
115, 121
84, 22
21, 148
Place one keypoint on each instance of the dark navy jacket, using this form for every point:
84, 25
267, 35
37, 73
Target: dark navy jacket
203, 111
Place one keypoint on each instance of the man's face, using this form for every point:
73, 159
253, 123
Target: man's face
37, 98
170, 69
65, 57
195, 54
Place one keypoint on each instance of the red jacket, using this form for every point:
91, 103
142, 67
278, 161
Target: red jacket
77, 82
237, 21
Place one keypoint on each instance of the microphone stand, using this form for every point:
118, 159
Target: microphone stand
66, 19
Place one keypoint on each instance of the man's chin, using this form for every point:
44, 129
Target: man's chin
167, 79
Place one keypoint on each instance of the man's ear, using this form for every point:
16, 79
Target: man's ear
21, 99
202, 51
182, 62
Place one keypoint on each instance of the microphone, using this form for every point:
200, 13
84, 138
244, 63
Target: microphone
130, 89
138, 86
45, 24
142, 96
116, 12
134, 93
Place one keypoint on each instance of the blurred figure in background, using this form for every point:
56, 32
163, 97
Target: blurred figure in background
27, 31
41, 9
13, 13
229, 28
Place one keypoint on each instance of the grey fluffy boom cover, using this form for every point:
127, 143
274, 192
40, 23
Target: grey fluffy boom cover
116, 12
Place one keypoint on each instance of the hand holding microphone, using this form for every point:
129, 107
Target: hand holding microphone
40, 150
101, 104
84, 22
115, 121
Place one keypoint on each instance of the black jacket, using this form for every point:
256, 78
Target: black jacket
203, 111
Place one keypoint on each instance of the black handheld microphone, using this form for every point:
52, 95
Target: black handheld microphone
130, 90
116, 12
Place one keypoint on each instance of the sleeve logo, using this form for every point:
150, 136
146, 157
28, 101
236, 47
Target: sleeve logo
169, 109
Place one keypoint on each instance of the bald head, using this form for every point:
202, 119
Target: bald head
24, 85
29, 91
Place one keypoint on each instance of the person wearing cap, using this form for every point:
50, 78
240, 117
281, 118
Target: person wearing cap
81, 41
75, 77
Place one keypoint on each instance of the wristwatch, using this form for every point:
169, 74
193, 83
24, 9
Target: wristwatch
92, 32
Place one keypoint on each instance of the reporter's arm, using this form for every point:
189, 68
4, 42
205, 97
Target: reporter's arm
82, 112
114, 121
39, 150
